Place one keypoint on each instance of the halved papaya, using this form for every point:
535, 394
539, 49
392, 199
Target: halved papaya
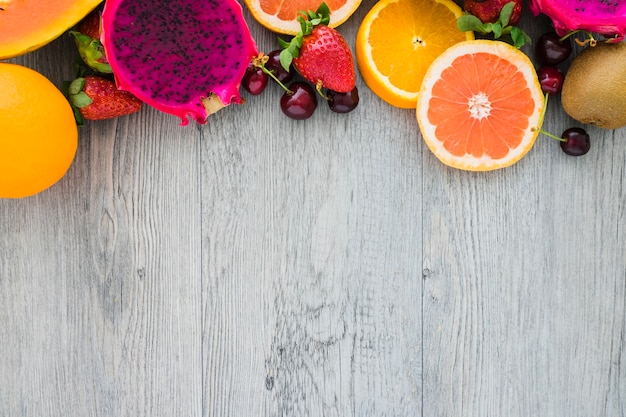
26, 25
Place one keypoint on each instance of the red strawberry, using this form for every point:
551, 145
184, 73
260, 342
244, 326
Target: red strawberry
320, 54
326, 57
90, 25
488, 11
97, 98
87, 38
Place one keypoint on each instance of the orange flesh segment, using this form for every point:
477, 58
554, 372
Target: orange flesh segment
289, 9
498, 131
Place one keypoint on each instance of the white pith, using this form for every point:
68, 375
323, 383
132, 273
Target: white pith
479, 106
418, 42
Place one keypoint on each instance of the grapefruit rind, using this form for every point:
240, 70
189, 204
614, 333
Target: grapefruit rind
291, 26
378, 79
531, 131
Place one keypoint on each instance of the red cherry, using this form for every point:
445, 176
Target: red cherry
273, 64
551, 50
300, 102
576, 141
343, 102
254, 80
551, 79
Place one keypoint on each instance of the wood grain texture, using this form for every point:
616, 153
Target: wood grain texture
526, 283
100, 291
260, 266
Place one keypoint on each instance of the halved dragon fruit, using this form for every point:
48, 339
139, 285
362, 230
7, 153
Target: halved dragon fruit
183, 57
604, 17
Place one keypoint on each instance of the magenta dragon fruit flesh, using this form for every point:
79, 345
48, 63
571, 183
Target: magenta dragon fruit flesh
182, 57
604, 17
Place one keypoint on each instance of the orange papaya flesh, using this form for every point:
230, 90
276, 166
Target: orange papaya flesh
27, 25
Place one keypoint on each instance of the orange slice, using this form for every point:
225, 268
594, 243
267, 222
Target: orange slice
281, 16
399, 39
480, 105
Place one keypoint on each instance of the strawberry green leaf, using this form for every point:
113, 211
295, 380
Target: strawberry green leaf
324, 13
77, 97
506, 13
282, 43
91, 51
80, 100
519, 37
285, 59
469, 22
70, 90
76, 86
496, 29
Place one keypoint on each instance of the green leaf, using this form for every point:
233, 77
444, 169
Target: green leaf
506, 13
324, 12
76, 86
80, 38
469, 22
91, 52
285, 59
519, 37
496, 28
80, 100
282, 43
78, 116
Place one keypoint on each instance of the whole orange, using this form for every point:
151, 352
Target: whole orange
38, 132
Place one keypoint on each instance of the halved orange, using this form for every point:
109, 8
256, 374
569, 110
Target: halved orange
280, 16
399, 39
480, 105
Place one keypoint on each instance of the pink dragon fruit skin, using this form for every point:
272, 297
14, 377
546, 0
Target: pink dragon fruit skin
605, 17
178, 56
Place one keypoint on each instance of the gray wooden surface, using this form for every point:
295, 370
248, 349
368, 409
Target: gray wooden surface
259, 266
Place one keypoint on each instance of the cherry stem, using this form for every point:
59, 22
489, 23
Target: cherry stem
259, 61
552, 136
590, 39
318, 87
543, 116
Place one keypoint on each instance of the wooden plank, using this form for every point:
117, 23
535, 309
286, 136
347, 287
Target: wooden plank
302, 274
330, 267
311, 260
100, 274
525, 284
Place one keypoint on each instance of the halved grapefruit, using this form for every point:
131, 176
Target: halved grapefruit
480, 105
